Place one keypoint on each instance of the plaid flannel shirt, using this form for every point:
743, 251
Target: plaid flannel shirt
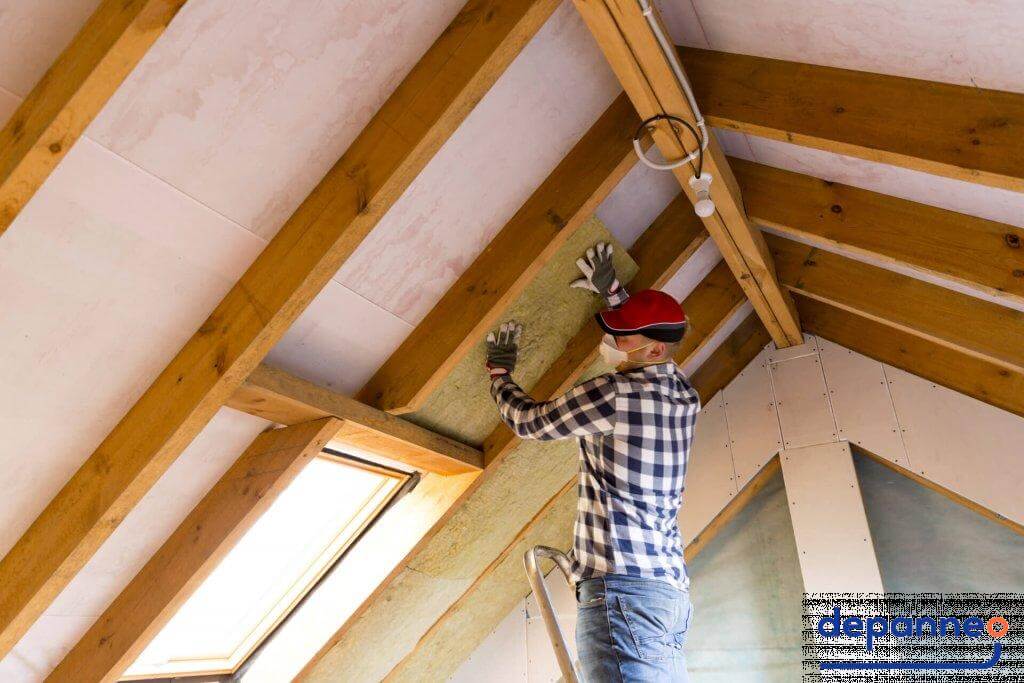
634, 429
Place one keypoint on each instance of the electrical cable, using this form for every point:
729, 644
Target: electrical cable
699, 154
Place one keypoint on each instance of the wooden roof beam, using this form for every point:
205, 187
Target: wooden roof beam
193, 551
967, 133
72, 92
324, 231
280, 397
642, 67
982, 255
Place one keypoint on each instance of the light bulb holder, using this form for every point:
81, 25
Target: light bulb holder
703, 205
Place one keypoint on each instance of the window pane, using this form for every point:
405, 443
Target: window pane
269, 570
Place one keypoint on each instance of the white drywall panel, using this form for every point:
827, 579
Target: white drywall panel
808, 348
710, 480
700, 263
829, 522
753, 420
861, 403
542, 665
960, 443
805, 414
636, 201
501, 657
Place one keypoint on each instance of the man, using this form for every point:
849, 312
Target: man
634, 428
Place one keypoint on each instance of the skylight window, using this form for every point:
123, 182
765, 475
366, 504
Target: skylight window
271, 568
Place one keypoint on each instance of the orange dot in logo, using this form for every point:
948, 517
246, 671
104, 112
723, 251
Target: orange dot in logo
997, 627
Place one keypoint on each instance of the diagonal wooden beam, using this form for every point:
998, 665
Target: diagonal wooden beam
642, 67
277, 396
983, 255
193, 551
499, 275
668, 242
962, 323
970, 375
731, 356
326, 228
707, 303
961, 132
72, 92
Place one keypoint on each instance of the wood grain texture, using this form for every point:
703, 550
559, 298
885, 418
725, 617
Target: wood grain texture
709, 306
474, 304
193, 551
970, 134
327, 227
641, 66
985, 255
991, 332
72, 92
280, 397
987, 382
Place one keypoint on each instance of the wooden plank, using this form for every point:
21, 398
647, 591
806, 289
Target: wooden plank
277, 396
963, 323
709, 306
830, 525
983, 255
193, 551
987, 382
72, 92
731, 356
968, 133
985, 512
379, 165
641, 66
474, 304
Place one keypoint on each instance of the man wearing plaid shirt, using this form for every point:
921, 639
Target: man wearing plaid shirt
634, 427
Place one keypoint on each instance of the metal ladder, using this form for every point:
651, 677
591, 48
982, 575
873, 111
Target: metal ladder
540, 589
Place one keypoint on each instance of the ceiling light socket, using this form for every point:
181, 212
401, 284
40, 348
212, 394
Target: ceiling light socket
703, 204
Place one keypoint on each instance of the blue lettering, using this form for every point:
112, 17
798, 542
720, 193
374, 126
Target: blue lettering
853, 626
834, 620
947, 621
921, 622
902, 627
877, 626
973, 627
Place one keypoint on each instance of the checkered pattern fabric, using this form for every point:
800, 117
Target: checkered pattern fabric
634, 429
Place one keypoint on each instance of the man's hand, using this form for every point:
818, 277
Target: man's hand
598, 271
502, 349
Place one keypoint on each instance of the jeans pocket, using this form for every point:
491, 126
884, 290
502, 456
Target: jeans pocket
655, 625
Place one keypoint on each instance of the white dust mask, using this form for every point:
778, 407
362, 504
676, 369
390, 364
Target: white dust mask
612, 354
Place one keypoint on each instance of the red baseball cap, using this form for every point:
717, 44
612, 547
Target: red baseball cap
655, 315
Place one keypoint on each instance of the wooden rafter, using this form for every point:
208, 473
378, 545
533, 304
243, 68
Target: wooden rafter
473, 305
280, 397
193, 551
659, 251
72, 92
981, 254
962, 323
645, 73
970, 375
731, 356
326, 228
707, 304
961, 132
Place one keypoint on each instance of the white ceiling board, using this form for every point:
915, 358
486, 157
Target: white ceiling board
8, 103
970, 43
551, 94
636, 201
694, 270
107, 272
861, 403
805, 413
829, 523
961, 443
710, 479
33, 34
753, 422
947, 193
501, 657
245, 106
705, 351
131, 545
339, 341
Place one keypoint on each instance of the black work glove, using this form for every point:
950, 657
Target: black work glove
503, 348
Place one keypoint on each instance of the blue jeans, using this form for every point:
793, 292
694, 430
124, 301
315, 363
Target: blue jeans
631, 629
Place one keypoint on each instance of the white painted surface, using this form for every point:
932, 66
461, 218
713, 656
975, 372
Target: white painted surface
502, 657
829, 523
686, 279
802, 401
753, 419
710, 480
8, 103
961, 443
636, 201
861, 403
